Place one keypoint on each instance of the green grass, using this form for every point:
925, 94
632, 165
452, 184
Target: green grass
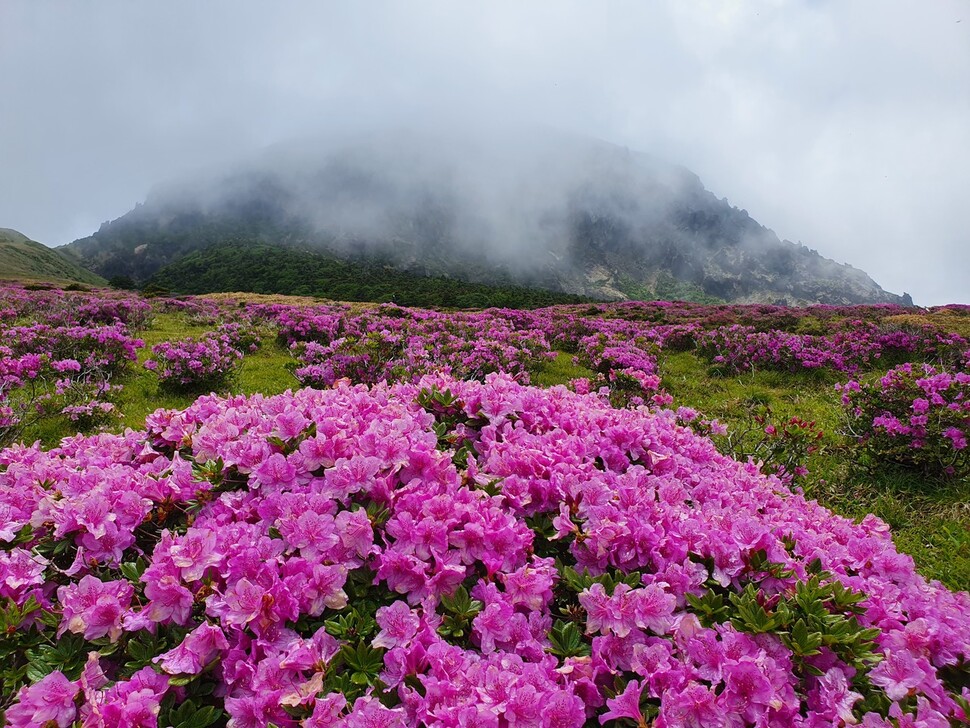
558, 371
930, 520
263, 371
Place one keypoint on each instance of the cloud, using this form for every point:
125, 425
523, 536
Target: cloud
843, 125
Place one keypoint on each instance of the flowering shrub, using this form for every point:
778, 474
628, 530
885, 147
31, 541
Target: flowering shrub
85, 400
777, 445
60, 353
370, 359
35, 386
916, 415
195, 364
627, 361
449, 553
105, 348
240, 335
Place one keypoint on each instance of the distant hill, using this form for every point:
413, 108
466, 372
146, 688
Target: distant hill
541, 209
262, 268
24, 259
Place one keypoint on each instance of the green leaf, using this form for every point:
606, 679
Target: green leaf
710, 608
804, 642
188, 715
566, 640
133, 570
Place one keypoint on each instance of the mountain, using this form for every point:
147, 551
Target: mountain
24, 259
540, 208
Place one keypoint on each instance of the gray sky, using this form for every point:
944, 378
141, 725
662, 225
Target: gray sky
842, 124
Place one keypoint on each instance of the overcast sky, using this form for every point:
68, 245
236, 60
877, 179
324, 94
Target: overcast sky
844, 125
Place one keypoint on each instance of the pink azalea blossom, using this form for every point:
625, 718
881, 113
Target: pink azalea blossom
51, 700
94, 608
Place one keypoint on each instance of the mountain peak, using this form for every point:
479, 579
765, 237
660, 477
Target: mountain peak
539, 207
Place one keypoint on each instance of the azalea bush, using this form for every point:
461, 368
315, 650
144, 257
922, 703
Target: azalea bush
917, 415
369, 359
450, 552
627, 361
241, 335
195, 364
850, 348
779, 446
87, 400
108, 348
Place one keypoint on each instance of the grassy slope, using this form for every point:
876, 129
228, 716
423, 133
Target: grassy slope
23, 259
930, 521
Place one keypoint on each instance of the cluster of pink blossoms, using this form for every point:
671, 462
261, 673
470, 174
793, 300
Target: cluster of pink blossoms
742, 348
195, 364
501, 555
916, 415
393, 344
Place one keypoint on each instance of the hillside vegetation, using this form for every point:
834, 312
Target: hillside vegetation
24, 259
269, 269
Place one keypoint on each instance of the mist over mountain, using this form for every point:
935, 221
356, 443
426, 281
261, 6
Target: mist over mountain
538, 208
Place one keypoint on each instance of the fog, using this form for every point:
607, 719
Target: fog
505, 193
840, 125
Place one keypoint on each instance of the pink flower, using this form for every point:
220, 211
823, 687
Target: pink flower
493, 625
50, 699
398, 623
244, 601
94, 608
133, 703
195, 552
275, 471
748, 690
695, 706
531, 586
835, 697
170, 600
899, 674
200, 647
327, 711
654, 607
625, 705
957, 437
20, 569
608, 614
369, 713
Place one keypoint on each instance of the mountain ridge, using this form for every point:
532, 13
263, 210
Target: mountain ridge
24, 259
552, 211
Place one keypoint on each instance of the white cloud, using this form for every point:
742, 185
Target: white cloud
841, 124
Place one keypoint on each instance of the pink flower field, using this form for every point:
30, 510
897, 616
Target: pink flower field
428, 539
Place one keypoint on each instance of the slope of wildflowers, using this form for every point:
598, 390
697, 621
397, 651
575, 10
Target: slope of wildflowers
429, 540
